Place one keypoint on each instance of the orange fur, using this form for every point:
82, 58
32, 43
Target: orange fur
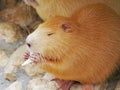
90, 53
51, 8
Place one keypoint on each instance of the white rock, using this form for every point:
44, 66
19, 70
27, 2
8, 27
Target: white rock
3, 58
16, 59
48, 76
42, 84
118, 86
33, 70
15, 86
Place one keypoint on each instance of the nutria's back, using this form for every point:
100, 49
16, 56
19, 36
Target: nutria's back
50, 8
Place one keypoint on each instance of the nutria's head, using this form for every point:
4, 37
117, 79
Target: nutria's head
53, 39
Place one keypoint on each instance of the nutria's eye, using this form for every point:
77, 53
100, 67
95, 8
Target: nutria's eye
50, 34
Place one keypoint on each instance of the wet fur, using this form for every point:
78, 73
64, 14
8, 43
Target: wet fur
90, 53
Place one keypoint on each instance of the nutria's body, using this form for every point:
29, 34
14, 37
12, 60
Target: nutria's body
84, 47
51, 8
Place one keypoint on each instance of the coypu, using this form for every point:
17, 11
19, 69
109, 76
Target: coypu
84, 47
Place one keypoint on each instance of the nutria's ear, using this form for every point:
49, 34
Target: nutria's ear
66, 27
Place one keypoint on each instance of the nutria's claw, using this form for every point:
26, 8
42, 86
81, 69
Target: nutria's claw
63, 85
26, 55
35, 58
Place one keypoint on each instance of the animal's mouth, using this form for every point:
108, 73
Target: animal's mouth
38, 58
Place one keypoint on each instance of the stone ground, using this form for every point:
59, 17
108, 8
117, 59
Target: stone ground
21, 76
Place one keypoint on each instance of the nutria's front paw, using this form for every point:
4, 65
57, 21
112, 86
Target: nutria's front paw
63, 84
26, 55
35, 58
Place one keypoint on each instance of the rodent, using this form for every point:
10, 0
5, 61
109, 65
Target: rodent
50, 8
84, 47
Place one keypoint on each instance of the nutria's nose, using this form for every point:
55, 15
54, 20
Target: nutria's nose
29, 45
